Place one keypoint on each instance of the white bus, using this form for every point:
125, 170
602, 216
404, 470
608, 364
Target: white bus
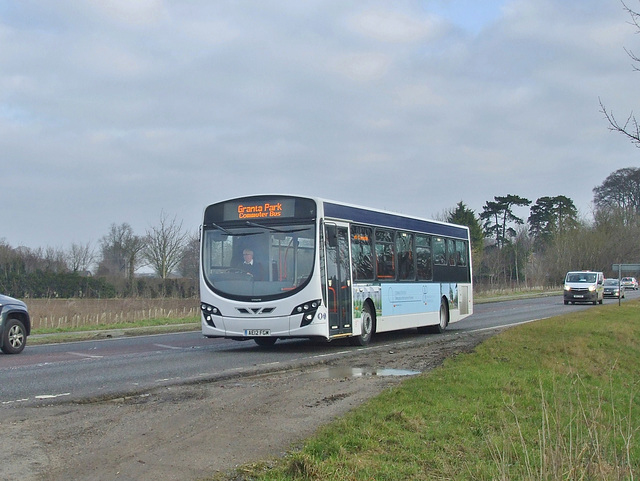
328, 270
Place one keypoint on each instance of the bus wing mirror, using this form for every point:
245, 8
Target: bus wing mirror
332, 235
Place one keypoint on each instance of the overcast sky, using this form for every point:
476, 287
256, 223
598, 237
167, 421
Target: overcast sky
117, 111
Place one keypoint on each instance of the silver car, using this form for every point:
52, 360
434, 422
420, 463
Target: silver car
15, 325
629, 283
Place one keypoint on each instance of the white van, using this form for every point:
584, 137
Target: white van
583, 286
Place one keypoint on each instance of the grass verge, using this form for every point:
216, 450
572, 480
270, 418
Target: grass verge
554, 399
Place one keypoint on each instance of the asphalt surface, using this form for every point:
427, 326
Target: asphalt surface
108, 368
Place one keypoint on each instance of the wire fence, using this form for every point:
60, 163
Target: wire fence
74, 313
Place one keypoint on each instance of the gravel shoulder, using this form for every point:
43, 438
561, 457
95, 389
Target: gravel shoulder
195, 431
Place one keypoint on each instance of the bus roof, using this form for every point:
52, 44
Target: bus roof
390, 219
366, 215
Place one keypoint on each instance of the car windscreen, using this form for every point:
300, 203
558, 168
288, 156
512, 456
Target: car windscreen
581, 277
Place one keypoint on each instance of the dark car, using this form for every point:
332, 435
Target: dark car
15, 325
612, 288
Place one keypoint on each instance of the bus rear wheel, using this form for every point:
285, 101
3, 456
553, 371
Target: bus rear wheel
367, 328
443, 317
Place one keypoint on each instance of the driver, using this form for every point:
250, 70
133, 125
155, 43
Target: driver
250, 266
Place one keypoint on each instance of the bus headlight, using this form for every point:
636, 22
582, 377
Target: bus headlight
308, 311
208, 312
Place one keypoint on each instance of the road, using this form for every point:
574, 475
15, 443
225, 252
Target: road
111, 368
161, 424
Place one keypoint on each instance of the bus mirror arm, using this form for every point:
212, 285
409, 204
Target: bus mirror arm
332, 235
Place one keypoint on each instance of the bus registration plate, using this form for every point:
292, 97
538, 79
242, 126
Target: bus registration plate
257, 332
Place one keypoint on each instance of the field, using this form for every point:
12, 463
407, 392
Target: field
51, 315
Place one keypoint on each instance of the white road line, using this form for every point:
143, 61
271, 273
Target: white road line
52, 396
168, 347
89, 356
15, 401
509, 325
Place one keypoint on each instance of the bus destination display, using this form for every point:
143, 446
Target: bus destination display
262, 209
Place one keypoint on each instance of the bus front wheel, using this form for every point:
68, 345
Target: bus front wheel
367, 328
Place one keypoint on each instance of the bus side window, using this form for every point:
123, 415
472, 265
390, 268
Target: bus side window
404, 251
461, 250
451, 252
384, 254
423, 257
439, 251
362, 253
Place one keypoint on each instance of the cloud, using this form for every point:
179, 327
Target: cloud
117, 111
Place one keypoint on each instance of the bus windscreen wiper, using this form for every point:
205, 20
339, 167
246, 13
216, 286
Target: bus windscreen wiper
273, 229
218, 227
228, 232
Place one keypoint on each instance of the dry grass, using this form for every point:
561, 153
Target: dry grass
84, 313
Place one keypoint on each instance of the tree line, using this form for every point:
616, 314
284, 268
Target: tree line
509, 250
109, 268
553, 240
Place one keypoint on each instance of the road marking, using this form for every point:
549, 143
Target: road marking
90, 356
509, 325
15, 401
52, 396
168, 347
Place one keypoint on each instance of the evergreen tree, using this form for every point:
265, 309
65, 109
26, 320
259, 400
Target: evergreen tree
462, 215
551, 216
498, 214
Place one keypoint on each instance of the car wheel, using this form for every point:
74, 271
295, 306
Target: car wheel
14, 337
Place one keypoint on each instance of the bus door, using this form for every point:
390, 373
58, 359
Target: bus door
338, 278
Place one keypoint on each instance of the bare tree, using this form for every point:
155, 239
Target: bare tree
121, 251
629, 127
80, 257
620, 193
54, 260
190, 262
165, 246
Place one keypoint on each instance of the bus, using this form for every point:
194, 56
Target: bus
328, 270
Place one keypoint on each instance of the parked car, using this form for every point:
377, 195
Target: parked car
629, 283
15, 325
612, 288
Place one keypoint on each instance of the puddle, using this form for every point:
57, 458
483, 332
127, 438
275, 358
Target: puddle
349, 372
